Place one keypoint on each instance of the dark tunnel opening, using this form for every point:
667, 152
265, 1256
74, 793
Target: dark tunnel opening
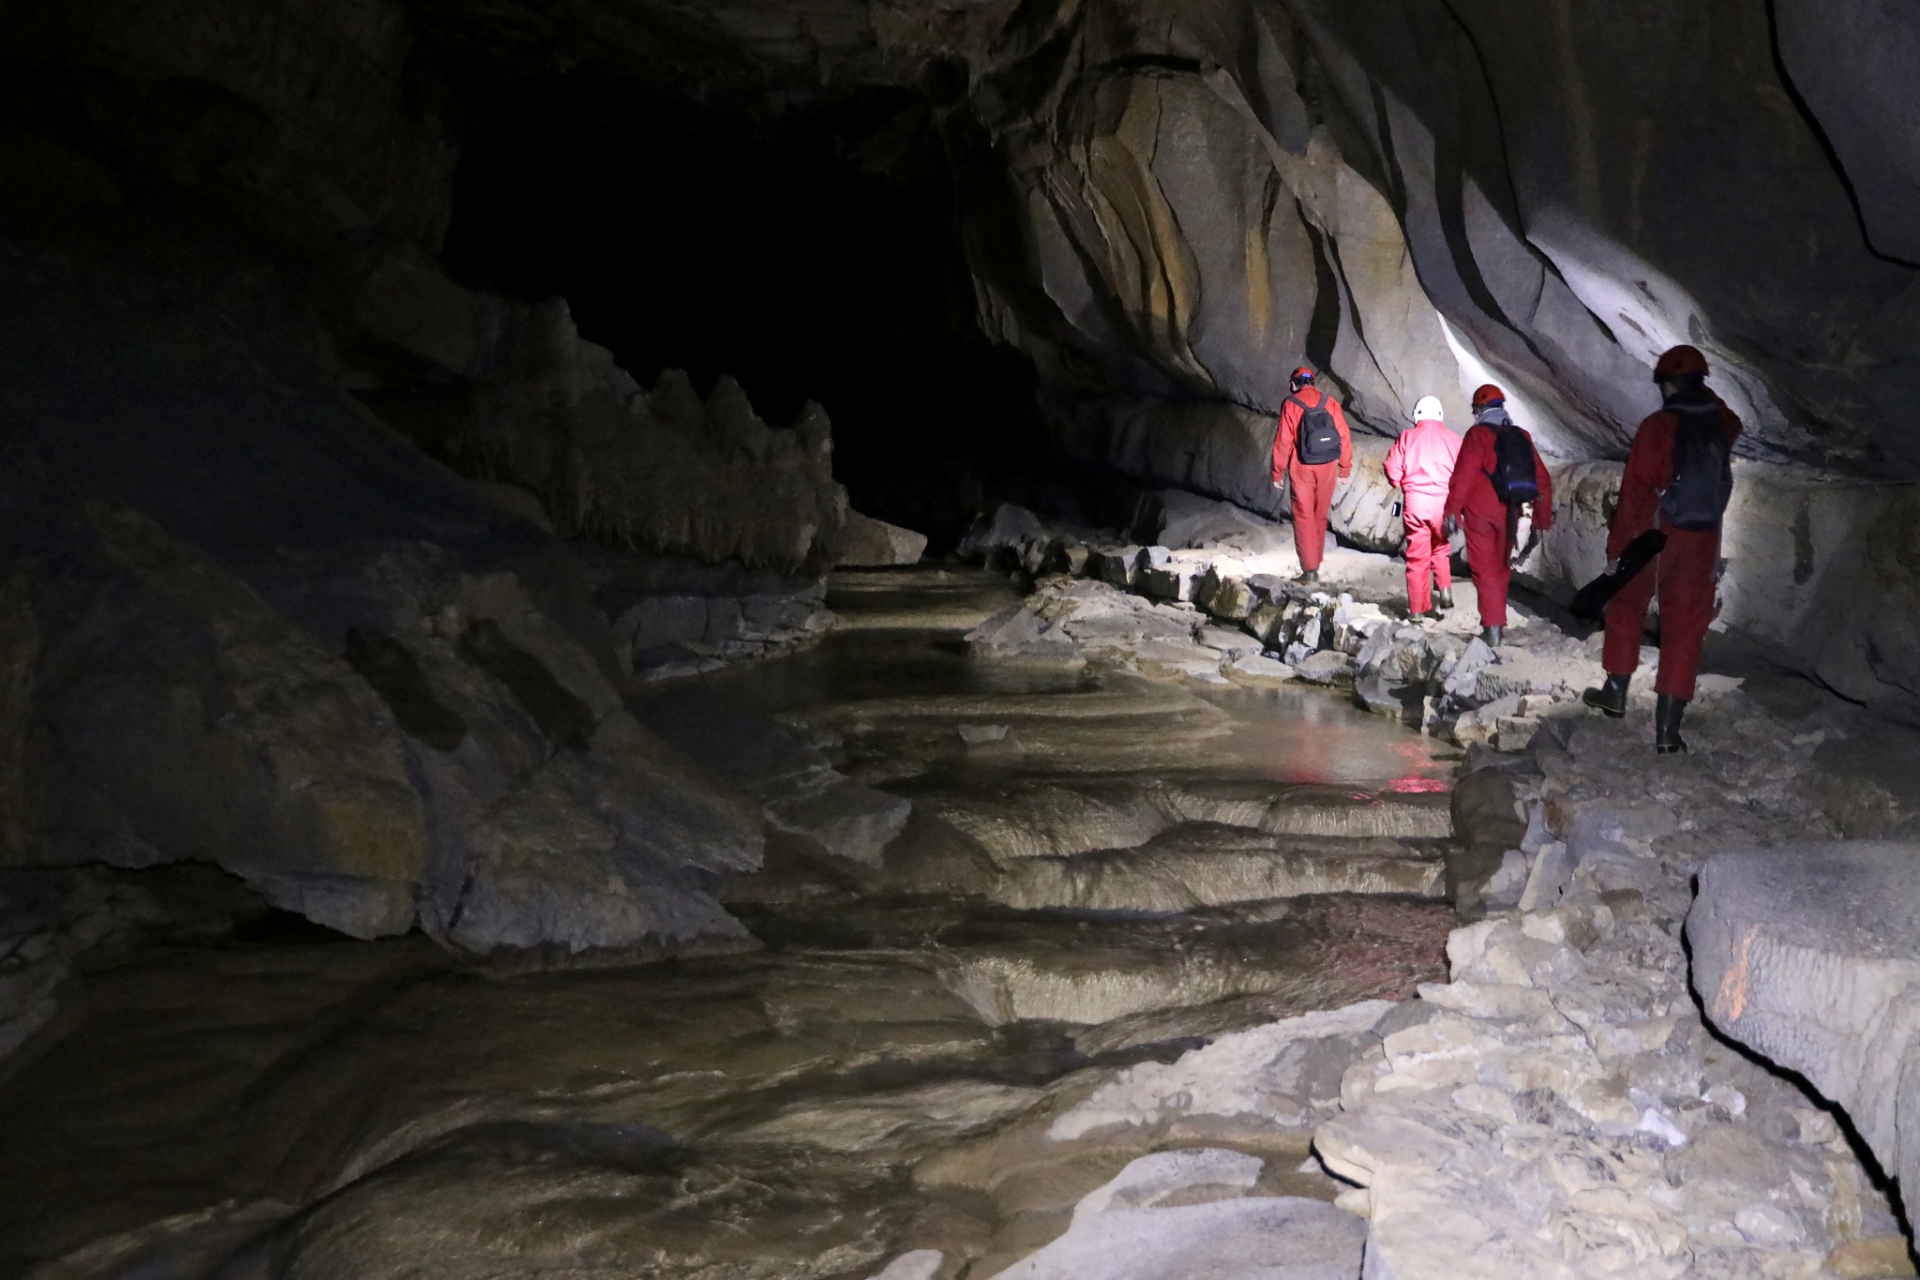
812, 257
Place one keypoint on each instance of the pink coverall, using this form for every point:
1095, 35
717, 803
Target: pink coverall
1420, 465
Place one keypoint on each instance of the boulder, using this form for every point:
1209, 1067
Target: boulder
1259, 672
1810, 955
300, 783
1277, 1238
1224, 591
1283, 1076
1328, 666
1116, 566
799, 790
1008, 528
864, 542
1486, 825
1020, 633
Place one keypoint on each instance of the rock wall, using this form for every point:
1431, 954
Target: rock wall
1421, 196
248, 625
517, 395
1805, 954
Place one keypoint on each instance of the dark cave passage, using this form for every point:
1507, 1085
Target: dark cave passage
812, 257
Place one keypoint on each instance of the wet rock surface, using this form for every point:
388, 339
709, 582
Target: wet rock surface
924, 1074
831, 1101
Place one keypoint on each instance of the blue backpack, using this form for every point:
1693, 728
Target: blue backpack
1515, 474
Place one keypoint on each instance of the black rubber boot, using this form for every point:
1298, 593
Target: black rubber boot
1493, 635
1610, 697
1444, 597
1667, 711
1311, 577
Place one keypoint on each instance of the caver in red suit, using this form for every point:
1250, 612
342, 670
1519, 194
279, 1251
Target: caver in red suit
1311, 496
1420, 465
1683, 573
1482, 515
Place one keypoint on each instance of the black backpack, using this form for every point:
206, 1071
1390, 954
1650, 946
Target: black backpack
1318, 440
1515, 474
1702, 483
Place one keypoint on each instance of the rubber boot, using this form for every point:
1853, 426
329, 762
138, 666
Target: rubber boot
1610, 697
1667, 711
1493, 636
1444, 597
1309, 577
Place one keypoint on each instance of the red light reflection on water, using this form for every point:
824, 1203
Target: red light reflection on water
1409, 785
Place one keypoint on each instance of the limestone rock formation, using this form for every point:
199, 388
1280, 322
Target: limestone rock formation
1807, 954
659, 470
1186, 1212
257, 629
864, 542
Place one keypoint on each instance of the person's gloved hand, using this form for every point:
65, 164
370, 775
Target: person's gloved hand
1450, 526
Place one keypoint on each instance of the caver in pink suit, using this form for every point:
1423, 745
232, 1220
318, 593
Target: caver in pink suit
1420, 465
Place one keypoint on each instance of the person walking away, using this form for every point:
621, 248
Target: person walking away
1679, 478
1497, 473
1420, 465
1312, 452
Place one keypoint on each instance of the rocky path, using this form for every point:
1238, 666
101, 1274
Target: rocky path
1559, 1108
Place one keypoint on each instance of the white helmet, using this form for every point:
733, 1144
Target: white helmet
1429, 410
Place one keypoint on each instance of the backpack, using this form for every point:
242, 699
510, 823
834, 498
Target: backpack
1318, 440
1697, 495
1515, 474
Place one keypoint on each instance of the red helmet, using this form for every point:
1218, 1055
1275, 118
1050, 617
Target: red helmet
1303, 374
1486, 395
1678, 362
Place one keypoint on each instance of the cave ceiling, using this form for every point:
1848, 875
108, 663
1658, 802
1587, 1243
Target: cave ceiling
1179, 202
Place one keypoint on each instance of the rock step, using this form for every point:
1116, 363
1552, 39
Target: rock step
1061, 817
1118, 698
1124, 723
1108, 972
1196, 865
917, 599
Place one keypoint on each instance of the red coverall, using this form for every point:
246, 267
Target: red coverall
1420, 465
1484, 517
1683, 572
1312, 494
